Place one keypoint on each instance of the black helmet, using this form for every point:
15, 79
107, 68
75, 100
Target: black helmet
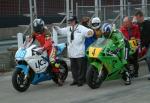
38, 25
73, 18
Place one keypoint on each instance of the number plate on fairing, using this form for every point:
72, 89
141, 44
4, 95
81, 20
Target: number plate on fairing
21, 53
94, 52
133, 43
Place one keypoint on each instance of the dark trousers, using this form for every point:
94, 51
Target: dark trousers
134, 61
78, 69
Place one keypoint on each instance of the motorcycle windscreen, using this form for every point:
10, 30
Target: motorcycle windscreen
96, 48
100, 42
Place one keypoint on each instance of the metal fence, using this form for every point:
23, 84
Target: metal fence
21, 7
110, 12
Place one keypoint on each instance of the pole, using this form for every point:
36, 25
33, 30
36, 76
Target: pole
104, 14
55, 37
129, 4
100, 9
20, 39
125, 7
71, 14
35, 9
144, 7
96, 8
76, 9
31, 15
121, 10
67, 11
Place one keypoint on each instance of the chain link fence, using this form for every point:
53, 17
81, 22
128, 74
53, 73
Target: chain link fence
110, 12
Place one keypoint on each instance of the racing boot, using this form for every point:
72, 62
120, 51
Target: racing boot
126, 77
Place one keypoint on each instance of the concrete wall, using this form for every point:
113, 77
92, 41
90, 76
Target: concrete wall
6, 61
9, 33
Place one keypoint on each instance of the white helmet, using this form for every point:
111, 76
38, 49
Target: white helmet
96, 23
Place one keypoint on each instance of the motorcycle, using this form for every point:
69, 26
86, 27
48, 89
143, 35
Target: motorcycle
104, 63
34, 67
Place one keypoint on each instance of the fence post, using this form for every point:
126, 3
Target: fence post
129, 4
19, 39
35, 9
71, 14
67, 11
100, 5
76, 9
55, 37
96, 8
104, 14
121, 10
144, 7
31, 15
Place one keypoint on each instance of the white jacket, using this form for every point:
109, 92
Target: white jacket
76, 47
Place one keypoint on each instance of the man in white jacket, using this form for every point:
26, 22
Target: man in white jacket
76, 35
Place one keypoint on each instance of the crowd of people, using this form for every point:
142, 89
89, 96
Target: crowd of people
80, 35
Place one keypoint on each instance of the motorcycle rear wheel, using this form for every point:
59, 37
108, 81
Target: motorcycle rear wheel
60, 77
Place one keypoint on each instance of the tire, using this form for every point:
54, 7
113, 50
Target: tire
92, 78
18, 81
126, 75
60, 77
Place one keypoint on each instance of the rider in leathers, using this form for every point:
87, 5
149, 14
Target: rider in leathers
119, 42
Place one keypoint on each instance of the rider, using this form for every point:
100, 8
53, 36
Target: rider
95, 25
131, 31
119, 42
43, 37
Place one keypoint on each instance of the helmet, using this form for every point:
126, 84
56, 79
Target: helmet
96, 23
38, 25
73, 18
106, 29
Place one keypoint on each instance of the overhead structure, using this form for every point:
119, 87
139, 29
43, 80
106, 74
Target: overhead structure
69, 9
144, 7
33, 12
121, 10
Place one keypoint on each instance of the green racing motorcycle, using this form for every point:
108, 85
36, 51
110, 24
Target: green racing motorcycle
104, 64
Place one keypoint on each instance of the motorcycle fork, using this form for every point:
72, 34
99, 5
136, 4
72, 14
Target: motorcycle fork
100, 71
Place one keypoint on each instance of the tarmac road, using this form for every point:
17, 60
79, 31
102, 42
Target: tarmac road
109, 92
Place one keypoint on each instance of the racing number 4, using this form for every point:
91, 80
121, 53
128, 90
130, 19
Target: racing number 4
133, 43
94, 52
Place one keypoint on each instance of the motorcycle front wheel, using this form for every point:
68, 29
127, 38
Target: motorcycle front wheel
93, 78
19, 82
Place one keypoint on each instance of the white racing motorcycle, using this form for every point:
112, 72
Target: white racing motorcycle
34, 67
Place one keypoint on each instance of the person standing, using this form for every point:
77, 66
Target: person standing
95, 25
145, 34
131, 31
76, 35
